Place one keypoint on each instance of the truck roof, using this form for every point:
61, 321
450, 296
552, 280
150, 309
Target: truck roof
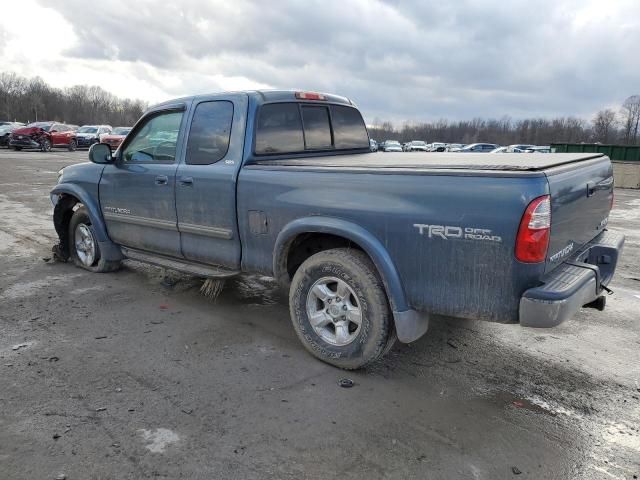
263, 96
441, 161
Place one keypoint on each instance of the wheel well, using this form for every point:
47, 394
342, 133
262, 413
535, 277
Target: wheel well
307, 244
62, 214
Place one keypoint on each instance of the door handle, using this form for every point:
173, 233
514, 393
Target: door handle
162, 180
186, 181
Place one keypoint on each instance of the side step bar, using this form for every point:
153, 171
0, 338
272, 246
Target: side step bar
184, 266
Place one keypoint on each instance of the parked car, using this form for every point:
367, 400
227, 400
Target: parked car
368, 245
391, 146
43, 136
534, 149
373, 145
5, 131
479, 147
499, 150
415, 146
89, 134
437, 147
115, 138
455, 147
519, 148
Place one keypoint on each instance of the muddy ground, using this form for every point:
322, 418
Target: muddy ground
129, 376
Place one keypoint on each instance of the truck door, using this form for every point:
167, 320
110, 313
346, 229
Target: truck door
206, 181
137, 191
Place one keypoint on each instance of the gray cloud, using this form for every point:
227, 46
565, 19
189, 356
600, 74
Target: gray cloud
397, 59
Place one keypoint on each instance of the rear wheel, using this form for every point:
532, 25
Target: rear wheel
17, 149
83, 245
73, 145
339, 308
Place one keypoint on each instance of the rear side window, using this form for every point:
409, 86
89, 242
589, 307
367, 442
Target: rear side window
317, 131
348, 128
209, 134
279, 129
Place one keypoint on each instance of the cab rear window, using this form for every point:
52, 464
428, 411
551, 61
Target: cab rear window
298, 128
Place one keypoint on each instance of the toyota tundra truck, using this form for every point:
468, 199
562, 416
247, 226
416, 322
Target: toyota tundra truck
283, 183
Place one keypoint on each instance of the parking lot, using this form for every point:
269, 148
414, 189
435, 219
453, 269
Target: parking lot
134, 374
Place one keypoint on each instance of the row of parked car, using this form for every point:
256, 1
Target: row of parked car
44, 136
420, 146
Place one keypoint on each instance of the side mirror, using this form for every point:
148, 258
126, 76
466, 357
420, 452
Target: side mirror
100, 153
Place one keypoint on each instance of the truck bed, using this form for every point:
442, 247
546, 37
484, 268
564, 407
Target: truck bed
513, 162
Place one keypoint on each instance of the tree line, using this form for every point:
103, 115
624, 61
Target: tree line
607, 126
32, 99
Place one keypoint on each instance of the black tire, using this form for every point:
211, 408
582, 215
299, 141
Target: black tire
45, 145
73, 145
17, 149
376, 332
99, 264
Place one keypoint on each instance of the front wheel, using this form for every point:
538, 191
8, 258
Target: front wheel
45, 145
73, 145
83, 245
340, 310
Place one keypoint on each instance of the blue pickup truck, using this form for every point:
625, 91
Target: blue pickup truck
369, 245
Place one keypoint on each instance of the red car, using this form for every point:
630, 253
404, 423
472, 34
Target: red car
43, 136
115, 138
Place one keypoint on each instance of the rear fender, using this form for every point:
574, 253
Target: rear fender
410, 325
358, 235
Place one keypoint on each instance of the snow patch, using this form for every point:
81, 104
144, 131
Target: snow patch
159, 439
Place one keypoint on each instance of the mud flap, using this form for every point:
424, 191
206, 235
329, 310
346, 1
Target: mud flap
410, 325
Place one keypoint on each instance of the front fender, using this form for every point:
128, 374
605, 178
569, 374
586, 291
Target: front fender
355, 233
90, 204
107, 248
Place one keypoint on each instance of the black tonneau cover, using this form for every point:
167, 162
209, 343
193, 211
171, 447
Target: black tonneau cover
439, 161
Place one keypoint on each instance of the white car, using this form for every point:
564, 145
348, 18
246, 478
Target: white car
437, 147
415, 146
391, 146
87, 135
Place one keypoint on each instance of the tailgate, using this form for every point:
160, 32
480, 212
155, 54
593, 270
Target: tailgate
581, 197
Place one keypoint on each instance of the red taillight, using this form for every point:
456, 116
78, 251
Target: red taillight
310, 96
611, 201
533, 235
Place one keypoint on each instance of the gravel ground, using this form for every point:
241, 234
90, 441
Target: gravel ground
136, 375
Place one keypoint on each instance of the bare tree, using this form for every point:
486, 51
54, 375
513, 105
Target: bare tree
630, 113
604, 124
25, 100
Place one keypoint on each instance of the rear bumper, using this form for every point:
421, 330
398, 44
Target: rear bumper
573, 284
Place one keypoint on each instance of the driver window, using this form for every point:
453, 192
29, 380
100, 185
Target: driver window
155, 140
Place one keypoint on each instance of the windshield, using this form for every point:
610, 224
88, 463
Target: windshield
42, 125
87, 130
121, 131
420, 144
392, 142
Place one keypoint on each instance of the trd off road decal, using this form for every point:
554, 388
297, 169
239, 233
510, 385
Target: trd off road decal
449, 232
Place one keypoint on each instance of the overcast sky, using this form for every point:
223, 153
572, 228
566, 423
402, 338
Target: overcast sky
400, 60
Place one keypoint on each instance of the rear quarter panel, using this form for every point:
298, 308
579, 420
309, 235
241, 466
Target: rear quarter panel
440, 271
